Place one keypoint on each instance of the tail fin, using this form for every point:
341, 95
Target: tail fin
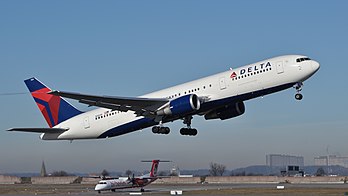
54, 108
154, 167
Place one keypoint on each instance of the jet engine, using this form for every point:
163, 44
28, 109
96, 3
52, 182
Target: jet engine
226, 112
181, 106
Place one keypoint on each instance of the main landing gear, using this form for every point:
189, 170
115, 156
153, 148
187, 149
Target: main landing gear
183, 131
298, 87
160, 130
188, 131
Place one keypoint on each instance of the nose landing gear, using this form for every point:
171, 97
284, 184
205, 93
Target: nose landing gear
298, 96
298, 87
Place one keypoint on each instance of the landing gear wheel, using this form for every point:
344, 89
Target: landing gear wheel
142, 190
166, 130
160, 130
183, 131
155, 129
298, 96
298, 87
188, 131
194, 132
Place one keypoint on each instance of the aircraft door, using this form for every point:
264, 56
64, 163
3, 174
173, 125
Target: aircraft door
86, 122
280, 67
222, 83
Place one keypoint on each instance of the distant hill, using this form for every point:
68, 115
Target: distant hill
264, 170
256, 170
334, 170
198, 172
275, 171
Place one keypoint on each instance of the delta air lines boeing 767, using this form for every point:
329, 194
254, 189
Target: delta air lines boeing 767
219, 96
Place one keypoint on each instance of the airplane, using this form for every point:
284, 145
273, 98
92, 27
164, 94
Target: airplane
134, 182
219, 96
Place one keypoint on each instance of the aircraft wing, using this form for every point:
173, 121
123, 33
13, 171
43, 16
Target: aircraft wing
141, 106
40, 130
103, 177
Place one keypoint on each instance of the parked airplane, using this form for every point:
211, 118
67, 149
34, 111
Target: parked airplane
134, 182
219, 96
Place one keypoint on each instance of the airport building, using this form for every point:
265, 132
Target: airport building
331, 160
279, 160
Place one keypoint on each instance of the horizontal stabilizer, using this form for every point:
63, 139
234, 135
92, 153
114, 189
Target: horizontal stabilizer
150, 161
102, 177
157, 177
40, 130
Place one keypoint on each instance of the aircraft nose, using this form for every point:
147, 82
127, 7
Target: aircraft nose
99, 187
315, 66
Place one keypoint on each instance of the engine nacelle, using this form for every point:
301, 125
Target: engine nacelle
181, 106
226, 112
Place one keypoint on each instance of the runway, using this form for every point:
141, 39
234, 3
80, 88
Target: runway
192, 189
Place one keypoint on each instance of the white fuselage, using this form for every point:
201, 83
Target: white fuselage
121, 183
239, 84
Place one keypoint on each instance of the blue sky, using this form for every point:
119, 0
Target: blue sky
129, 48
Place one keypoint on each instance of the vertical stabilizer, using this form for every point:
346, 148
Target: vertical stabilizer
54, 108
154, 168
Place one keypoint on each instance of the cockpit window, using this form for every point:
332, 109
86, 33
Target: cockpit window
302, 59
102, 183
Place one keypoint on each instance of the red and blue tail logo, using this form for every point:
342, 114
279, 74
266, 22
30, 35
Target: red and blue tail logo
54, 108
